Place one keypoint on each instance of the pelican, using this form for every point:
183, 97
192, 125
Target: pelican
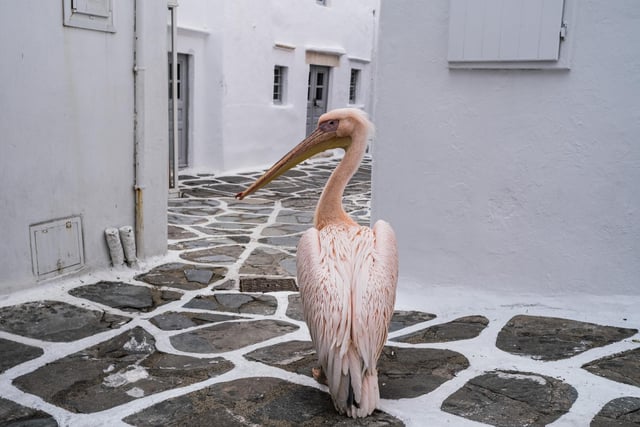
347, 273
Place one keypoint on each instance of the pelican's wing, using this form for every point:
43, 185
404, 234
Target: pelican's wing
374, 294
325, 299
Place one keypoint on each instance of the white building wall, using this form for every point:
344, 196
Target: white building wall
67, 127
236, 124
511, 180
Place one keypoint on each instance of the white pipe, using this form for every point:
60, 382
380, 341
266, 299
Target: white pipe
139, 122
115, 247
128, 240
173, 184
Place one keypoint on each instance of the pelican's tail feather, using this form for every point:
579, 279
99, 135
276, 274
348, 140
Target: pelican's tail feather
355, 393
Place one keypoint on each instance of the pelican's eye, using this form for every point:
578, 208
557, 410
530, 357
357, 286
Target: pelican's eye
329, 125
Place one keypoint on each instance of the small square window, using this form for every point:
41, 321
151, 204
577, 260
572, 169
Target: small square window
354, 84
279, 84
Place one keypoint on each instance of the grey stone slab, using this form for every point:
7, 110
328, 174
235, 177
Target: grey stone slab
212, 230
250, 203
462, 328
256, 401
266, 284
230, 336
208, 242
175, 219
173, 321
56, 321
124, 296
293, 356
621, 367
402, 372
284, 230
402, 319
116, 371
301, 203
226, 189
200, 182
621, 412
199, 192
512, 399
193, 203
203, 211
198, 275
294, 308
411, 372
174, 275
243, 218
235, 179
295, 217
281, 241
552, 338
236, 303
269, 262
15, 415
216, 255
178, 233
14, 353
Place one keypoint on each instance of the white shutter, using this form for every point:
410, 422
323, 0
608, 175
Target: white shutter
504, 30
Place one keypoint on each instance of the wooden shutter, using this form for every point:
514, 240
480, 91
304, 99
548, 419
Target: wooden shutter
504, 30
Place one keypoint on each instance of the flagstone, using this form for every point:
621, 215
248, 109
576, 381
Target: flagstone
177, 274
116, 371
56, 321
552, 338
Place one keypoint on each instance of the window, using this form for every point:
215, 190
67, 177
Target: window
279, 82
354, 84
321, 2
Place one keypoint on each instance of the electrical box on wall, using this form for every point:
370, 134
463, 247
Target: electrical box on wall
56, 247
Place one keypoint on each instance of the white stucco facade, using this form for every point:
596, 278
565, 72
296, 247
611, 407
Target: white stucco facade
68, 137
511, 180
233, 48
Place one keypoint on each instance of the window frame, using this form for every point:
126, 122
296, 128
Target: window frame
279, 84
355, 77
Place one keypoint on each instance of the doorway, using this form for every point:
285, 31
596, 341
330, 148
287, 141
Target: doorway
317, 95
182, 84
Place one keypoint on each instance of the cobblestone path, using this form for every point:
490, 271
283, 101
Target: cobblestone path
212, 335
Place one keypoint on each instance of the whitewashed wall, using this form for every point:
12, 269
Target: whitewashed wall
236, 125
67, 126
511, 180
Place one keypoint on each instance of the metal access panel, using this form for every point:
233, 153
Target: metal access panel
56, 247
89, 14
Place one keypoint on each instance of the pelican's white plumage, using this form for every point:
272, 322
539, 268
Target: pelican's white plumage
347, 273
347, 277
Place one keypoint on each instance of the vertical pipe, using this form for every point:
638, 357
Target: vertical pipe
139, 123
173, 167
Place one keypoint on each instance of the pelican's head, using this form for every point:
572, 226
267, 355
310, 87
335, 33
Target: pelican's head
335, 130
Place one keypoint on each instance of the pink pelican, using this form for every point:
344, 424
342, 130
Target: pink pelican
347, 273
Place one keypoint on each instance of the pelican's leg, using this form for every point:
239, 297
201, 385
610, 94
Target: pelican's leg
318, 375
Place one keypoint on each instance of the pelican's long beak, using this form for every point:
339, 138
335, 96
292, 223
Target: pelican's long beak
320, 140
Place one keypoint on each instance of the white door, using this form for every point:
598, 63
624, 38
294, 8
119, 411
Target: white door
182, 83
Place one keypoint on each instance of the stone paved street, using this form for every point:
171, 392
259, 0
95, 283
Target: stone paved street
212, 334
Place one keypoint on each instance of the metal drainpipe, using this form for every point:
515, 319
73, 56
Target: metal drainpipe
173, 169
139, 124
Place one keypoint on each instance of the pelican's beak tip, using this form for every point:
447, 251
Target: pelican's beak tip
240, 195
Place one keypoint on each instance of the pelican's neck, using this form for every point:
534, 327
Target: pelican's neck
329, 209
